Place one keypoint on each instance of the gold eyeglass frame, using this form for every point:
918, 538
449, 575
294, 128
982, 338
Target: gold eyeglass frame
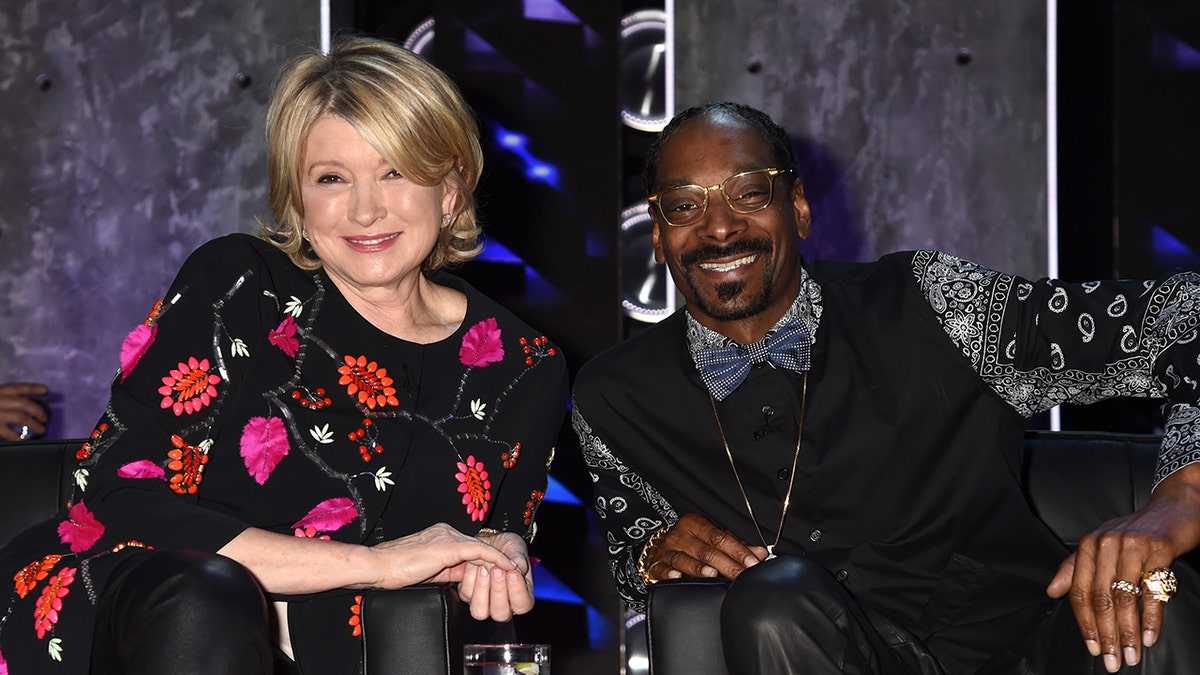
771, 172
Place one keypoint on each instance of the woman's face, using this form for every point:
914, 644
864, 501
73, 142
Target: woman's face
371, 227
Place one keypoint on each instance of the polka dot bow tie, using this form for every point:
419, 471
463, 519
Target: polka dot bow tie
723, 369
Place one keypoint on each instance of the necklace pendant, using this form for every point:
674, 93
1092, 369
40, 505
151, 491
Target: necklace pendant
770, 552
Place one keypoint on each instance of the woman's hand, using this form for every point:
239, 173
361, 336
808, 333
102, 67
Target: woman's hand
1125, 549
499, 594
290, 565
438, 554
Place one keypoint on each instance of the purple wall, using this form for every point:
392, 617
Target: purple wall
132, 132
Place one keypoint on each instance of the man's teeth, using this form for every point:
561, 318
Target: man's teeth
731, 265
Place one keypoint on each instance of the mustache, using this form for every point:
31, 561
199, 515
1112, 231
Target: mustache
713, 252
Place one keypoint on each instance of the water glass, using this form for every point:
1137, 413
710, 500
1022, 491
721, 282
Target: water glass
506, 659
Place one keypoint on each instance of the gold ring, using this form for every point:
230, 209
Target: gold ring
1126, 587
1160, 583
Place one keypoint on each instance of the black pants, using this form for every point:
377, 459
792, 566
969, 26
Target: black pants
791, 616
181, 612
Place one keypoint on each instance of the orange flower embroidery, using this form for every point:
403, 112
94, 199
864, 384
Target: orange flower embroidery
45, 615
34, 572
187, 461
368, 382
476, 488
188, 388
356, 616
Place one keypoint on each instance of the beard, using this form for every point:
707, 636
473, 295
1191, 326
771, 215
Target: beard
729, 303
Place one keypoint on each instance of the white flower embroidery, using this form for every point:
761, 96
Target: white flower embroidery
81, 479
55, 648
477, 409
294, 306
239, 348
383, 478
321, 434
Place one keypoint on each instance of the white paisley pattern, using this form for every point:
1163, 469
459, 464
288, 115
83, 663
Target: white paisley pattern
627, 527
1025, 354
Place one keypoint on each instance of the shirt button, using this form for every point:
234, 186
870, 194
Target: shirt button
815, 536
783, 474
767, 411
842, 575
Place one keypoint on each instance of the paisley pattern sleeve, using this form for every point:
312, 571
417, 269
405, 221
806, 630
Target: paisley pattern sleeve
1045, 342
631, 507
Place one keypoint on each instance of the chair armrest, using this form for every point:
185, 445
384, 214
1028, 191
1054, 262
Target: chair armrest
683, 627
412, 630
35, 479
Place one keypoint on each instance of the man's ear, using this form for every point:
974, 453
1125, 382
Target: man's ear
659, 256
800, 210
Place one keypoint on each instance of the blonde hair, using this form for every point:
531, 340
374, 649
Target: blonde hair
410, 111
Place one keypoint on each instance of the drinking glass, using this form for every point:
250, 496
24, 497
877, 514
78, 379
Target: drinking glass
506, 659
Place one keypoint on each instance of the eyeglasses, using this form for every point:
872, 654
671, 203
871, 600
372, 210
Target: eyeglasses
745, 192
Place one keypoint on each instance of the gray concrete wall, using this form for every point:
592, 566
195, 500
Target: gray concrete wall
918, 123
131, 132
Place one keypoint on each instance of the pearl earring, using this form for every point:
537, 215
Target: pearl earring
304, 234
445, 220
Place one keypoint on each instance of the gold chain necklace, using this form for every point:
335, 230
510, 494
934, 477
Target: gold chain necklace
787, 500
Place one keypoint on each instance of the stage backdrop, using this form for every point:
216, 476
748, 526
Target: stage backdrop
132, 132
918, 124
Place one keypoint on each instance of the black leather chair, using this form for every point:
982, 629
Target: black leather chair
410, 630
1074, 481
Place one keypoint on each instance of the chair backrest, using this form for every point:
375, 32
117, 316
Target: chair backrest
35, 482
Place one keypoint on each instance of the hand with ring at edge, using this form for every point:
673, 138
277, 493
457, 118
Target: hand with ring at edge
1105, 578
695, 547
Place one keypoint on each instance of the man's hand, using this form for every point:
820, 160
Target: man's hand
694, 547
17, 407
1124, 549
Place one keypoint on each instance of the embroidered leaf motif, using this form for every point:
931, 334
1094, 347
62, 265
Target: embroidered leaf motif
134, 347
477, 408
481, 345
81, 529
321, 434
55, 648
264, 443
143, 468
46, 611
239, 348
329, 515
284, 336
294, 306
81, 479
383, 478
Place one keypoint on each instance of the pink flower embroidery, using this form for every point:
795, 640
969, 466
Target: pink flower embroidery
284, 336
328, 516
189, 387
143, 468
134, 347
264, 442
476, 488
481, 345
3, 665
45, 613
81, 530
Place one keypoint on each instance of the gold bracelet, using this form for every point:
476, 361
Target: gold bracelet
484, 531
651, 542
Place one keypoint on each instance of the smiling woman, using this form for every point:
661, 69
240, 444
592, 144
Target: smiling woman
324, 406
